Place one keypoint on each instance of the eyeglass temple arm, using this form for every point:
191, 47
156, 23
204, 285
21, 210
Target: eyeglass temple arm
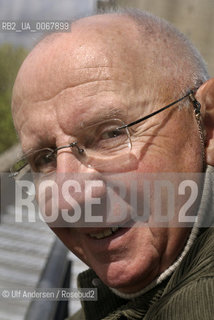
190, 94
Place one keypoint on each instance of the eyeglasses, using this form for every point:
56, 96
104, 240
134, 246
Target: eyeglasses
105, 146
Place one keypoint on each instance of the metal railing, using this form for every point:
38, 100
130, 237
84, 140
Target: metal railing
55, 275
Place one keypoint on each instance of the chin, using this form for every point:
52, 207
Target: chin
124, 277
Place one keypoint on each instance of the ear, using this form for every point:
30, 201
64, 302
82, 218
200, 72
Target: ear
205, 95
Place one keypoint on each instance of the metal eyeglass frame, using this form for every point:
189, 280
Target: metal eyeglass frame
196, 106
190, 94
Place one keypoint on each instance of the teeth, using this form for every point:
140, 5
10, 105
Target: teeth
104, 234
114, 229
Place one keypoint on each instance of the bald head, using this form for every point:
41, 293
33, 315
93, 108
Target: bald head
149, 53
133, 41
93, 42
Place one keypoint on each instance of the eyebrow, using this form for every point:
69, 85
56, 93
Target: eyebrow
112, 113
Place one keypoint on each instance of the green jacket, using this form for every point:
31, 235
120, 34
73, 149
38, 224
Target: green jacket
186, 295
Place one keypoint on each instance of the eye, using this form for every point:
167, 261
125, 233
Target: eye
105, 136
43, 160
109, 134
110, 139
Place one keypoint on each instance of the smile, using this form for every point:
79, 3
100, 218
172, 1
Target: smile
104, 234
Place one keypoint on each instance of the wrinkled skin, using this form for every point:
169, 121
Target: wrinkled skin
76, 77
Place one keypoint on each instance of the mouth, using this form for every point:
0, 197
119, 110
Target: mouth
104, 234
111, 231
110, 239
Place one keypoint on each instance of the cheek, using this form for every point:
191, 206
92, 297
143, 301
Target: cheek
185, 156
152, 164
174, 146
72, 240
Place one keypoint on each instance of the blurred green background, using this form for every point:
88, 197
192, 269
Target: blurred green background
11, 57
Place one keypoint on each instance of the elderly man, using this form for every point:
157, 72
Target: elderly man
77, 97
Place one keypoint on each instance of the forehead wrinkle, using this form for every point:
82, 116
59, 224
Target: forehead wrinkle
74, 78
80, 87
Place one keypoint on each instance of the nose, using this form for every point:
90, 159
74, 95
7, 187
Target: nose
73, 148
67, 160
81, 190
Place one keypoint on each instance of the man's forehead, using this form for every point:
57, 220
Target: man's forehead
68, 57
